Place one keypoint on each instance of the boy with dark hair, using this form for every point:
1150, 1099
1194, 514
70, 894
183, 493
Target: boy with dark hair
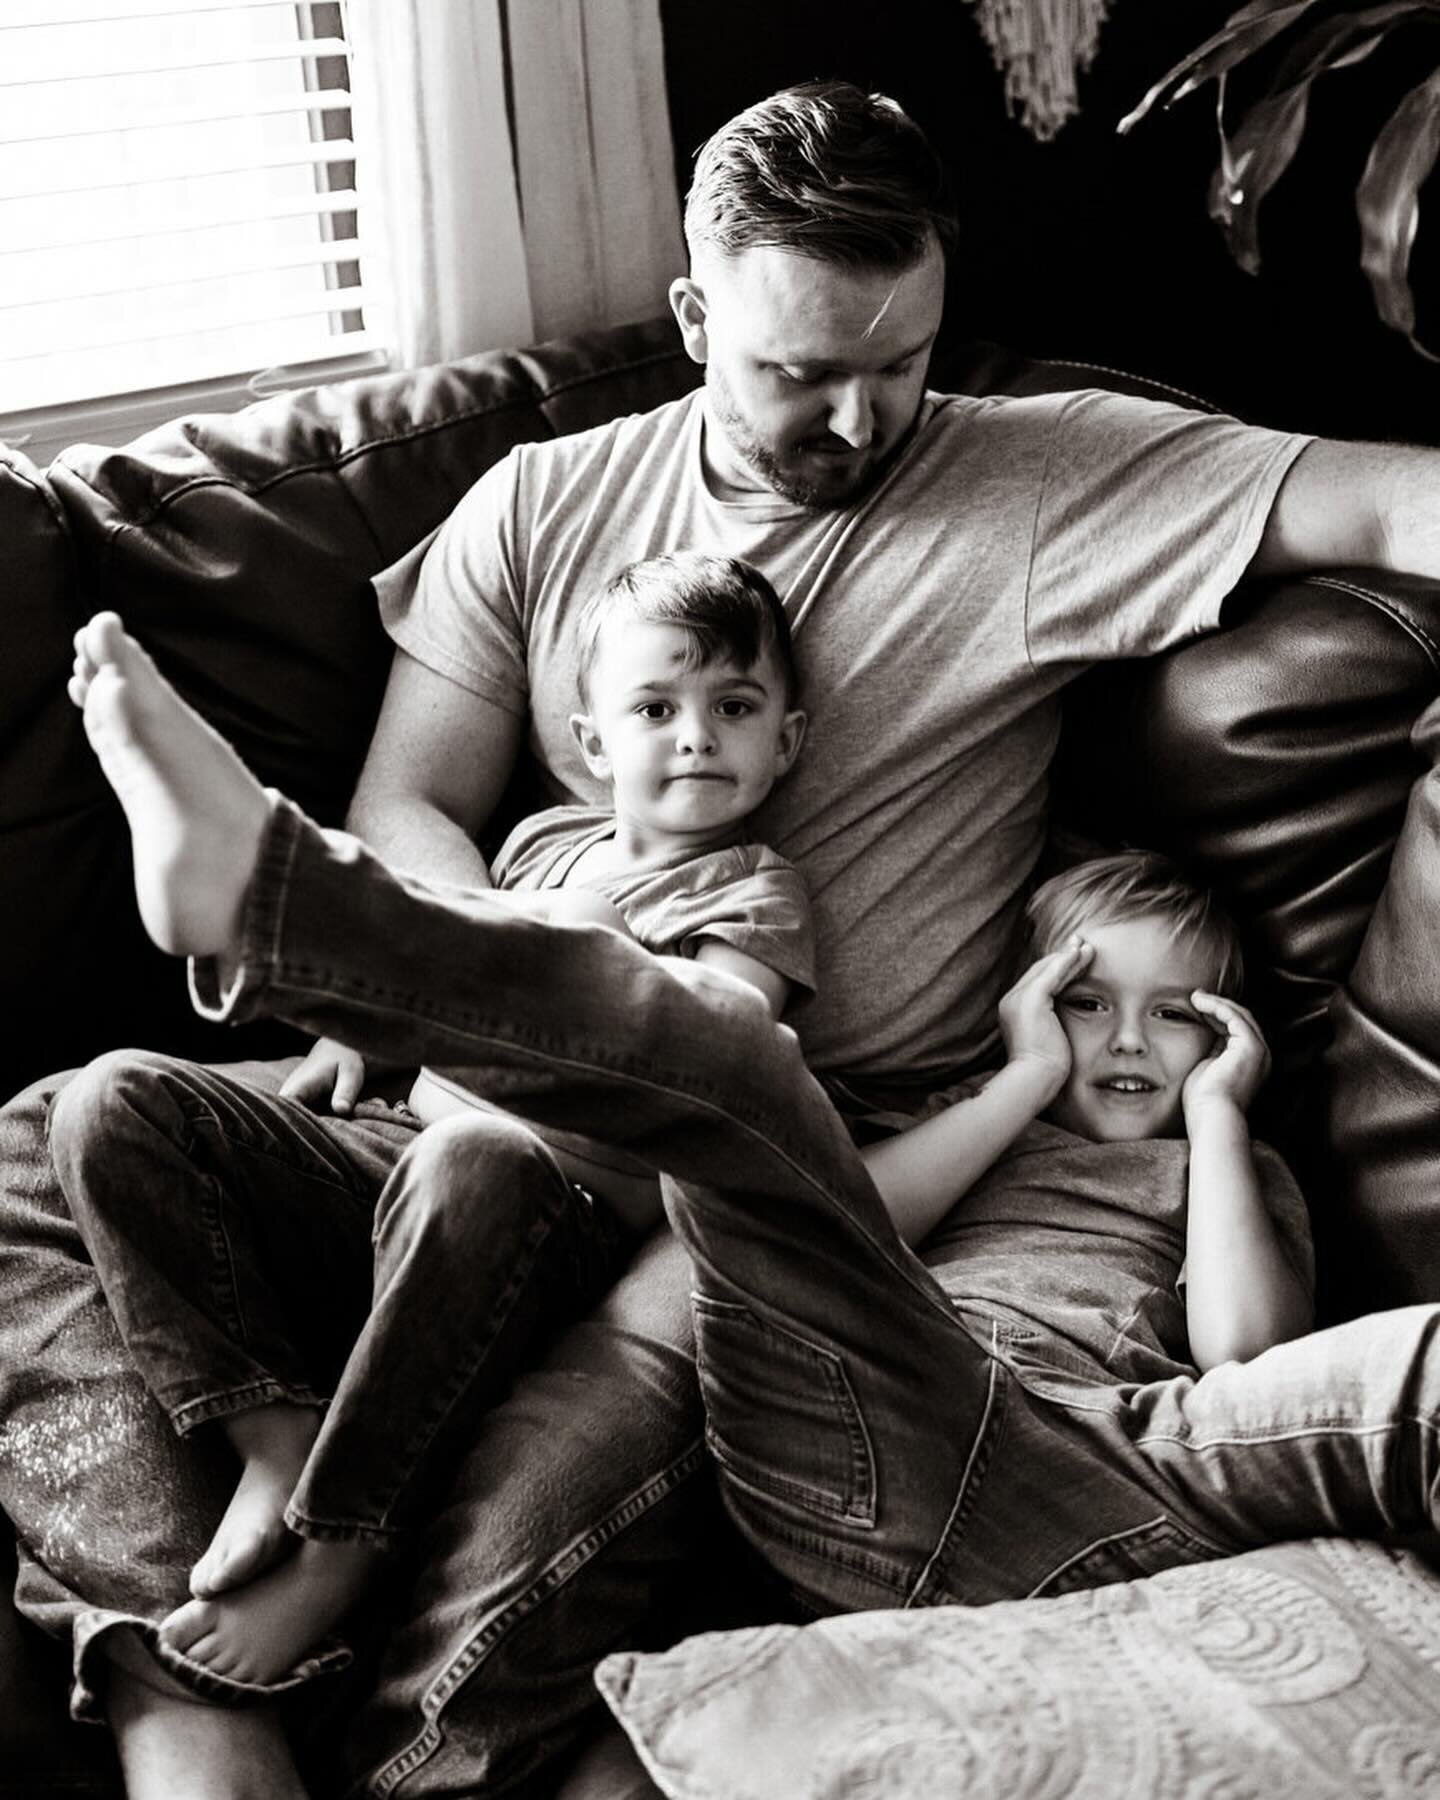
689, 692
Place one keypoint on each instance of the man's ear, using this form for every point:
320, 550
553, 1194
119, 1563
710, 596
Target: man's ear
687, 302
792, 735
592, 746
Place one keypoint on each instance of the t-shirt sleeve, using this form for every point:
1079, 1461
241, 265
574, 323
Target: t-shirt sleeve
765, 913
1147, 516
454, 602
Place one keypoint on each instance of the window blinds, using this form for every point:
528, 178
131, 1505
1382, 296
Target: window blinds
177, 194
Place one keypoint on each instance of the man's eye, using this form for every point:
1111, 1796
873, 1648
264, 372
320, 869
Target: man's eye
733, 709
896, 370
800, 377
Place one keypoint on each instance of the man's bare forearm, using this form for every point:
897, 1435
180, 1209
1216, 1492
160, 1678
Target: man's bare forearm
416, 836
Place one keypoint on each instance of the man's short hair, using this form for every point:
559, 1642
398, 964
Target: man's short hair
823, 170
1136, 884
726, 609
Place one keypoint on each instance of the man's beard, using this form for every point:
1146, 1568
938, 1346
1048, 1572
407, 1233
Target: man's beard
758, 456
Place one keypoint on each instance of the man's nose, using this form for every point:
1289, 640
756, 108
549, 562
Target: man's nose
852, 414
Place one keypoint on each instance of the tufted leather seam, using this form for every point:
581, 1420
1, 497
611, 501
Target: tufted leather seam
534, 400
1385, 604
1165, 387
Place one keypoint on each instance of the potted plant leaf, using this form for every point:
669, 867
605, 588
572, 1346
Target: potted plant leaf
1298, 41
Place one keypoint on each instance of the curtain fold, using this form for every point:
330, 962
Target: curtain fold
596, 163
492, 240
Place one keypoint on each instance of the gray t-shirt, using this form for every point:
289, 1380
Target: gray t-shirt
936, 619
1084, 1245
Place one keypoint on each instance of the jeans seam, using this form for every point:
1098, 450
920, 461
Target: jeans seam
552, 1579
222, 1402
981, 1451
1312, 1428
382, 1527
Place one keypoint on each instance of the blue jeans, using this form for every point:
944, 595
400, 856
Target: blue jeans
576, 1509
873, 1444
241, 1246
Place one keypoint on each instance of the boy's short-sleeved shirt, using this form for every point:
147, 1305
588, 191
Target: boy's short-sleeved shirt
1093, 1237
743, 895
936, 619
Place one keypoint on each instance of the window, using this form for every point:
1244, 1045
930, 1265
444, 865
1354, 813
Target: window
178, 208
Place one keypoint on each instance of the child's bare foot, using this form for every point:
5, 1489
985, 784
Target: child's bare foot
260, 1631
273, 1443
196, 813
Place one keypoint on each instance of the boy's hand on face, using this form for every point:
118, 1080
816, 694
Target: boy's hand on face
1032, 1032
1231, 1075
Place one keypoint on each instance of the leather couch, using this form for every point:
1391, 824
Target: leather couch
1283, 758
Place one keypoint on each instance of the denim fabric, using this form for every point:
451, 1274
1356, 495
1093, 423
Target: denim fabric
873, 1447
556, 1541
234, 1287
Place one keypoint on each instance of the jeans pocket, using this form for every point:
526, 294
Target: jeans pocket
782, 1418
1128, 1554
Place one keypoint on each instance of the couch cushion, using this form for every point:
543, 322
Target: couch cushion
1297, 1672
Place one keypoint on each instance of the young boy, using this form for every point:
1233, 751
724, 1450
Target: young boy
688, 680
1106, 1173
1025, 1418
689, 688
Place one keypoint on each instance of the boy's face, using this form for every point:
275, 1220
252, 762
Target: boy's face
690, 752
1134, 1035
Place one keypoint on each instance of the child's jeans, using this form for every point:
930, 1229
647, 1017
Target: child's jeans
233, 1287
876, 1447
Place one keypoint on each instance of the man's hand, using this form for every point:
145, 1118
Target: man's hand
1232, 1073
330, 1078
1032, 1033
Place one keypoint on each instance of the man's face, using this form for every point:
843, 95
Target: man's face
813, 372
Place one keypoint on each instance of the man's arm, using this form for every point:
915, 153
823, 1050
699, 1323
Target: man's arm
437, 766
1371, 505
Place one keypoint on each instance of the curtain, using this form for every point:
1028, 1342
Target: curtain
597, 168
490, 239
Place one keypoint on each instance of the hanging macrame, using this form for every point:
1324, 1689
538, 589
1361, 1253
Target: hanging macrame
1041, 47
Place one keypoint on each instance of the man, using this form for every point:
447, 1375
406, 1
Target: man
947, 566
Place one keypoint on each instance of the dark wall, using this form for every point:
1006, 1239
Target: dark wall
1095, 246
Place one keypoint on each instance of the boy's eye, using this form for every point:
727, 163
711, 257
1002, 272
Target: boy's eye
654, 709
1176, 1015
733, 709
1086, 1003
